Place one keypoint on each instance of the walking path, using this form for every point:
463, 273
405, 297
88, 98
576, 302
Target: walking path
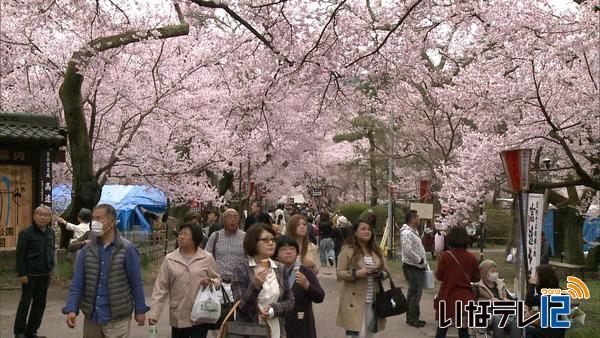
54, 325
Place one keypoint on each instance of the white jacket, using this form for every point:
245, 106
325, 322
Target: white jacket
413, 252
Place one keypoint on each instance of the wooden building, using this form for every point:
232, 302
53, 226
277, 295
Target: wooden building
29, 144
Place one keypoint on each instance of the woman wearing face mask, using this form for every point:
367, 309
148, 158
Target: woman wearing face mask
361, 264
491, 288
300, 321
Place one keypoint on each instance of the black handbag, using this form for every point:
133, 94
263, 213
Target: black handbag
391, 302
242, 329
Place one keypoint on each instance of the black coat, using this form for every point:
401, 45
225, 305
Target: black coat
35, 251
305, 327
263, 217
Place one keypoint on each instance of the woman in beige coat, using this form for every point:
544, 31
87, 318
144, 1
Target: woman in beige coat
360, 265
182, 274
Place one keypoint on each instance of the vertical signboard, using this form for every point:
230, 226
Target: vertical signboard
535, 209
46, 178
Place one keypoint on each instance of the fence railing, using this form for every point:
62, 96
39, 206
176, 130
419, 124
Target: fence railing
152, 246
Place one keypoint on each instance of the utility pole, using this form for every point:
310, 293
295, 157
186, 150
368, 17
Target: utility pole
390, 225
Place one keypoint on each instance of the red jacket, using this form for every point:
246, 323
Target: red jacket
455, 285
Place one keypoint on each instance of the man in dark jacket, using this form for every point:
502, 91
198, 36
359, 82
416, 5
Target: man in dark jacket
35, 260
256, 216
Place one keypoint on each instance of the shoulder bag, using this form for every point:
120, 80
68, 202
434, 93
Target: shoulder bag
242, 329
391, 302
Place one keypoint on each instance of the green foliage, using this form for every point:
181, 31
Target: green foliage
8, 278
352, 211
591, 307
593, 258
380, 212
497, 223
64, 269
350, 137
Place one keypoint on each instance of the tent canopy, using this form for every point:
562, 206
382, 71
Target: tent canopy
128, 200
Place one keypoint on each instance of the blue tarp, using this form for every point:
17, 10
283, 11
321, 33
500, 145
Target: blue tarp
548, 229
591, 231
127, 199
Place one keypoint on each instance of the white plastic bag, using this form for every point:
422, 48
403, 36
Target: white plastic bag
428, 282
207, 307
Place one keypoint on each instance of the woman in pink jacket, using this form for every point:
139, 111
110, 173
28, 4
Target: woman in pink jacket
182, 274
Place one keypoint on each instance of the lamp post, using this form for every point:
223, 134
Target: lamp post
390, 211
516, 166
481, 230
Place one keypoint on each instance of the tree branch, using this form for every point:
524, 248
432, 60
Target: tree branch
555, 134
323, 31
398, 24
236, 17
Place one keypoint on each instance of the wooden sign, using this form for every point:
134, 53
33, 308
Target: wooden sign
16, 202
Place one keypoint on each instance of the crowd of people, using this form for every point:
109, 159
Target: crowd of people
265, 270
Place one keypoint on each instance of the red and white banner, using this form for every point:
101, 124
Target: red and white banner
516, 166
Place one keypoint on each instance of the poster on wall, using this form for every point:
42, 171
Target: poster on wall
16, 198
535, 209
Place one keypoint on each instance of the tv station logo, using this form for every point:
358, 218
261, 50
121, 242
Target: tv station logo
554, 309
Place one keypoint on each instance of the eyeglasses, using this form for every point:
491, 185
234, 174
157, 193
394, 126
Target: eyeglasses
268, 240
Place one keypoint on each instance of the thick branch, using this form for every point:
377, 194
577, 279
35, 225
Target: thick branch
85, 184
587, 180
243, 22
555, 185
323, 31
398, 24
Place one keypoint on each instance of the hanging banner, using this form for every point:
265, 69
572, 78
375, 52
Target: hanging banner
516, 167
535, 209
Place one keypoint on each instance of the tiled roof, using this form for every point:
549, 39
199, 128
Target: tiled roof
39, 129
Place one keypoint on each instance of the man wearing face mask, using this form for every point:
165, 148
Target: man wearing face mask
491, 288
107, 283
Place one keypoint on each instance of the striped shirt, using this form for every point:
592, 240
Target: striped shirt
370, 279
227, 250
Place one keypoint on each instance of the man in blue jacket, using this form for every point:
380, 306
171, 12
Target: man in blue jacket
107, 283
35, 260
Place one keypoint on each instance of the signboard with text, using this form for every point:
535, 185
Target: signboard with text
535, 209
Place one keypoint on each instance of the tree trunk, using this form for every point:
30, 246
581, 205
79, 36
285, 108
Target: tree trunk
572, 225
86, 190
513, 230
373, 168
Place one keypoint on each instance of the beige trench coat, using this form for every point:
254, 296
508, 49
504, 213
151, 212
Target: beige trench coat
181, 283
312, 253
353, 295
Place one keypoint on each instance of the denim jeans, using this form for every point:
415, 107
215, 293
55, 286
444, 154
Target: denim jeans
326, 249
414, 277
